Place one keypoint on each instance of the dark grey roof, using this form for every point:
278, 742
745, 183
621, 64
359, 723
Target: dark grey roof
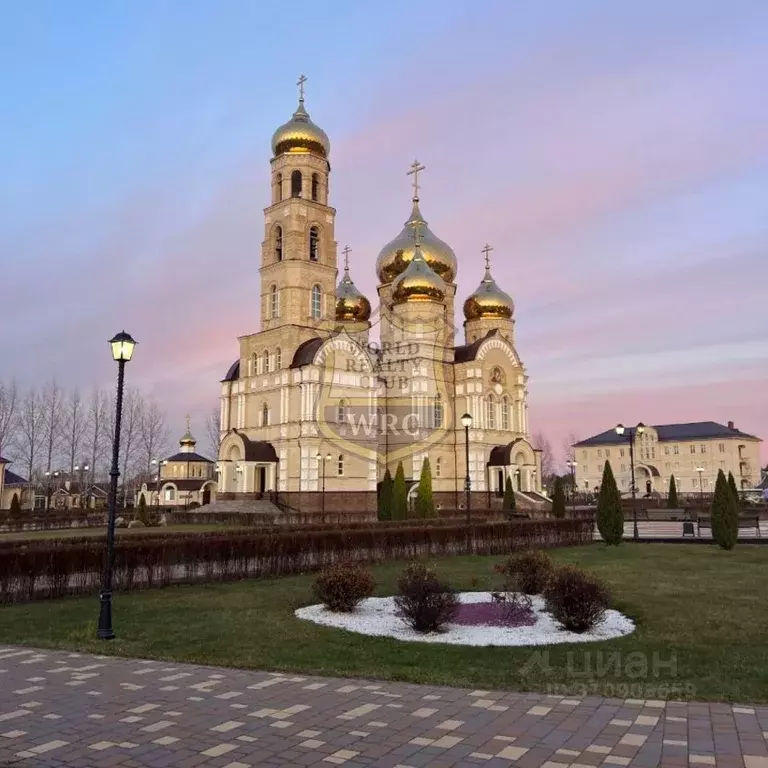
468, 352
697, 430
4, 461
306, 352
11, 478
234, 371
188, 457
501, 455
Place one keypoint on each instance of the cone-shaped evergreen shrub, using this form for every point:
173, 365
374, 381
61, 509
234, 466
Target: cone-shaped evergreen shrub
672, 501
734, 491
610, 517
725, 515
15, 506
400, 495
425, 505
509, 497
141, 512
558, 499
386, 496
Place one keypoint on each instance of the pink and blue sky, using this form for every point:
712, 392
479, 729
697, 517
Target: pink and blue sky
614, 154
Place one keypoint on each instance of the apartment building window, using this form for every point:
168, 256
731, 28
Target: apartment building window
677, 450
623, 467
677, 465
695, 483
722, 465
607, 453
599, 454
666, 450
621, 452
666, 465
702, 449
583, 454
721, 447
693, 449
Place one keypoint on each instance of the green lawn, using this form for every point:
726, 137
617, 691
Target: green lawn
69, 533
704, 607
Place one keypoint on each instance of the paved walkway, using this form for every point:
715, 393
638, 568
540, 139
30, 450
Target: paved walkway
64, 709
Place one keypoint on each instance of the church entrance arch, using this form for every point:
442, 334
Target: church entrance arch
500, 482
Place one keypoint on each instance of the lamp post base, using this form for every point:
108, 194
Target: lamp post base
105, 631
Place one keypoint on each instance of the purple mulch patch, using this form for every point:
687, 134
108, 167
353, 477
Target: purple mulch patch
493, 614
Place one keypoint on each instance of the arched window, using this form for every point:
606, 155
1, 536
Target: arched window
505, 412
316, 307
254, 364
170, 494
296, 184
341, 466
314, 244
274, 302
265, 358
437, 411
278, 243
438, 467
315, 186
278, 359
278, 187
490, 412
265, 415
341, 412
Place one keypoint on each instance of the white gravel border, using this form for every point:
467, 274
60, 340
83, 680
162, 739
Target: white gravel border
376, 616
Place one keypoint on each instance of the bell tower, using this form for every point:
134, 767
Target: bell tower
298, 255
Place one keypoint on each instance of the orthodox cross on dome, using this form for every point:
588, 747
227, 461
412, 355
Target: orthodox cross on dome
416, 168
347, 250
300, 82
188, 418
487, 251
417, 238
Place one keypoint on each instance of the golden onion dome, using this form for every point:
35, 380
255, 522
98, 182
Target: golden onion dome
488, 300
350, 303
397, 255
300, 135
418, 282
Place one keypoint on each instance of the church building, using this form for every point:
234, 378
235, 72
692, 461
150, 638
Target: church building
330, 391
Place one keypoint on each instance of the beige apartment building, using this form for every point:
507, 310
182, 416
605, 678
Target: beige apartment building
331, 390
694, 453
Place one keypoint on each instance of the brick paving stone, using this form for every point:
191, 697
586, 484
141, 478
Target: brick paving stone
146, 714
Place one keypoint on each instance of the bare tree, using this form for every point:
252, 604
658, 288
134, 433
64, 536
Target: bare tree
548, 466
75, 428
153, 434
30, 431
96, 431
132, 405
9, 415
213, 431
568, 450
52, 412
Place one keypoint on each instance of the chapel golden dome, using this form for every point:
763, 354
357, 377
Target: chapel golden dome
350, 303
300, 135
398, 254
488, 300
418, 282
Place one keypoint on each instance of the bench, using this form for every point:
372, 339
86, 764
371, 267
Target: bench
745, 523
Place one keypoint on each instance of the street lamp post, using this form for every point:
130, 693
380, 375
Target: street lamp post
160, 463
122, 351
321, 464
700, 470
466, 422
83, 496
572, 464
631, 434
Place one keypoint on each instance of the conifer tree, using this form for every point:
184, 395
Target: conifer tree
734, 491
425, 505
672, 500
386, 496
610, 516
725, 515
141, 513
400, 495
15, 506
509, 504
558, 499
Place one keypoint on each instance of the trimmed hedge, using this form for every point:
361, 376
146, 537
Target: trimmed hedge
44, 569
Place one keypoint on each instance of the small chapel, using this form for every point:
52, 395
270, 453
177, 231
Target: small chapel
333, 389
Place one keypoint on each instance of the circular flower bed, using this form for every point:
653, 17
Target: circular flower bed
480, 621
